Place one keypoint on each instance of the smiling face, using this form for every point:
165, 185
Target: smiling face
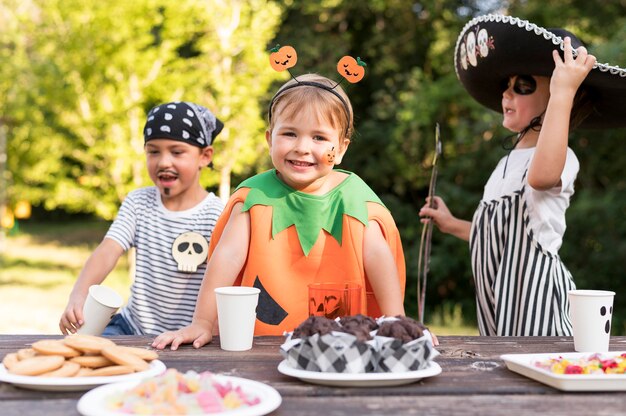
300, 143
174, 167
518, 110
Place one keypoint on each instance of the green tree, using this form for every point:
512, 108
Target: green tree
411, 84
92, 69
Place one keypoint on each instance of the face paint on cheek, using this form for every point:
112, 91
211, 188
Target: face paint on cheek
166, 191
330, 156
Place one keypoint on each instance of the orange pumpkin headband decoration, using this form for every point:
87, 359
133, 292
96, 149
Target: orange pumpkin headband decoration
284, 57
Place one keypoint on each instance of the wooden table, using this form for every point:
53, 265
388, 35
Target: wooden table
474, 381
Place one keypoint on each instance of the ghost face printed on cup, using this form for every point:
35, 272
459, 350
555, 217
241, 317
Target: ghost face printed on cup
607, 312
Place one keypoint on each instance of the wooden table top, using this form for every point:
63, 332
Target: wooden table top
474, 381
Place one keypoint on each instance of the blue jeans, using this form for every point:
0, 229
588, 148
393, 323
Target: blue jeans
118, 326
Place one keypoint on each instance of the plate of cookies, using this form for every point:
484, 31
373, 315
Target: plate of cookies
77, 362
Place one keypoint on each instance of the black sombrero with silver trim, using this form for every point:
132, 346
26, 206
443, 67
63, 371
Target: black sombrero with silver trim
491, 48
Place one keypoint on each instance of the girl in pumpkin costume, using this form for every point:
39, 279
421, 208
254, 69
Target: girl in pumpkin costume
302, 222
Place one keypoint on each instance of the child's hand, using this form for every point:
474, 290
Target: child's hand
439, 214
444, 220
434, 337
570, 72
196, 333
72, 318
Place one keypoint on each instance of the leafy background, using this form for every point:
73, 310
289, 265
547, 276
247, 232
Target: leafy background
77, 77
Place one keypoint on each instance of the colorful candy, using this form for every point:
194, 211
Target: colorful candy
175, 393
592, 364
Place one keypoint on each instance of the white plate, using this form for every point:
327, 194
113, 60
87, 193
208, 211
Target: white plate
93, 403
359, 379
75, 383
524, 364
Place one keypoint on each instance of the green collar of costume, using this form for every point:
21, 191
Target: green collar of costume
310, 213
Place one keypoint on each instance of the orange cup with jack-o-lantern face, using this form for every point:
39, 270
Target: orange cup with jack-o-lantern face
333, 300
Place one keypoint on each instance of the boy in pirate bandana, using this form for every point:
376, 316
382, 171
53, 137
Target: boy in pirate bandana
169, 224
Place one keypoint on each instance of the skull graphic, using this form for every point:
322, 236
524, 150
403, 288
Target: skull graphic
471, 48
483, 37
463, 57
190, 250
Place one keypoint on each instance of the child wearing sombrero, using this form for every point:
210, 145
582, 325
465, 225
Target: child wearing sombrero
545, 83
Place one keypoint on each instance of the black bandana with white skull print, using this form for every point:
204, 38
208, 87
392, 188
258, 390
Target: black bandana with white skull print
182, 121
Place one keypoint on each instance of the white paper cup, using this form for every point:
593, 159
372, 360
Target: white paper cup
236, 315
591, 312
100, 305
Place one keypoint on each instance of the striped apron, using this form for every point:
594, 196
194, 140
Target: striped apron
521, 289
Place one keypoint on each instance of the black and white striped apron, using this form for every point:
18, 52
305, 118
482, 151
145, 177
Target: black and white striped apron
521, 289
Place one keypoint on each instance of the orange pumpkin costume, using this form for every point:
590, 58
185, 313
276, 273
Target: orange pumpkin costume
298, 238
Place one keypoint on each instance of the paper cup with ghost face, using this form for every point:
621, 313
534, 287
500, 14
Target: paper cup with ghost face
591, 312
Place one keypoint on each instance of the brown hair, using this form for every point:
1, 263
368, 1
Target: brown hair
582, 107
291, 98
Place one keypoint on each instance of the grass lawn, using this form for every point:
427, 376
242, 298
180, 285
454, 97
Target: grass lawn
38, 268
39, 265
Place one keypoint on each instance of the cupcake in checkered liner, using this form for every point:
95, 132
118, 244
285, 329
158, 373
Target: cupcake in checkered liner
359, 344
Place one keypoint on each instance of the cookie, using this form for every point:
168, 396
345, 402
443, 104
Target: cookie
84, 372
54, 347
68, 369
112, 370
10, 360
37, 365
92, 361
122, 357
88, 344
25, 353
143, 353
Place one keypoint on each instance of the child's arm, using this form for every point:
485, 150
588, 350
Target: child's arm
223, 268
96, 269
549, 159
444, 220
381, 271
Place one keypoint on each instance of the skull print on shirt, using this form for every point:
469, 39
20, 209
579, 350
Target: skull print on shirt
190, 250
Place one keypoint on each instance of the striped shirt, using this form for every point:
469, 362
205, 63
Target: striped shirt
162, 298
521, 287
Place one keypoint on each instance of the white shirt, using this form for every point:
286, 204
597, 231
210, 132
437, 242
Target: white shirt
546, 209
162, 297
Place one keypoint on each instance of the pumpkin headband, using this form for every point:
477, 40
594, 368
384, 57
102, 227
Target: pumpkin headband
285, 57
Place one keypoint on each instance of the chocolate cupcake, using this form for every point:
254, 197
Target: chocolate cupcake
315, 325
359, 344
403, 344
403, 328
360, 326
